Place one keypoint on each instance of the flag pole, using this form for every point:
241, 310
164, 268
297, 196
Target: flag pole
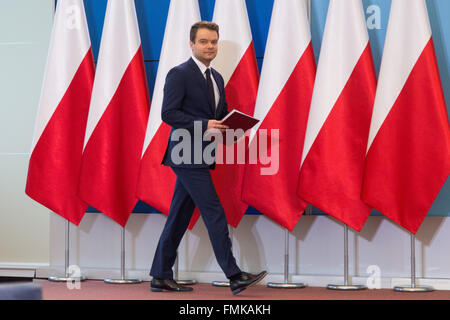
308, 4
224, 283
122, 279
286, 284
346, 285
413, 287
175, 275
66, 277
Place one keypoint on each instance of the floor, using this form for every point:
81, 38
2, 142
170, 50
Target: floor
99, 290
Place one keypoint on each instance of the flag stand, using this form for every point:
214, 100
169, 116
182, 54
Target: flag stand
346, 285
183, 282
225, 283
413, 287
286, 284
67, 277
122, 279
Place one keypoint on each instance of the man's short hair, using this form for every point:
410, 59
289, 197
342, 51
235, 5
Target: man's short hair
203, 25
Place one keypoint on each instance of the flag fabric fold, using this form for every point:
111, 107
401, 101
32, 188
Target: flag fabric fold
156, 182
333, 156
236, 62
408, 154
57, 145
283, 104
118, 117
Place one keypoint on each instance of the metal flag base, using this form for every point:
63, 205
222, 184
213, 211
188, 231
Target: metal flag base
286, 284
65, 279
413, 289
122, 279
186, 282
346, 286
221, 283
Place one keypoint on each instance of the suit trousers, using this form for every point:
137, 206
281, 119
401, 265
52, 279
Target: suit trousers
193, 187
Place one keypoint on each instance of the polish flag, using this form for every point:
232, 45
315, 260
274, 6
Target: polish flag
236, 62
118, 117
283, 102
156, 182
57, 145
408, 157
335, 146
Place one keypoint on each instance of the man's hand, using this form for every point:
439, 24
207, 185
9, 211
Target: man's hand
215, 124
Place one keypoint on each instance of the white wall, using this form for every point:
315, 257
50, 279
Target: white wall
25, 27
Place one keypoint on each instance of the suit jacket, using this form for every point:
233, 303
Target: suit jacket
185, 102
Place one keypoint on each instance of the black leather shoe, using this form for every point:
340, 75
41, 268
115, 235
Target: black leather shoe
244, 280
159, 285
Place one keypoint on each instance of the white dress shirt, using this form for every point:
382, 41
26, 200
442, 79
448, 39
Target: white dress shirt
203, 68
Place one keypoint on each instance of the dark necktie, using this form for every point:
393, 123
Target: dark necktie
210, 88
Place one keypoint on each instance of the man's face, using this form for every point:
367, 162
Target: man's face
205, 46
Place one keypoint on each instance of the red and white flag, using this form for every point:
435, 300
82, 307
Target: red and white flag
57, 145
236, 62
408, 157
156, 182
335, 146
283, 102
117, 117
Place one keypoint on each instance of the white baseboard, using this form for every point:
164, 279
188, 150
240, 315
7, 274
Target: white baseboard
21, 270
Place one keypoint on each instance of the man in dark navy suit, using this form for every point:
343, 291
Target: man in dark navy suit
194, 101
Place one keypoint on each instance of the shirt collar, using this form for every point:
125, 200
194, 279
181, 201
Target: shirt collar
200, 64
